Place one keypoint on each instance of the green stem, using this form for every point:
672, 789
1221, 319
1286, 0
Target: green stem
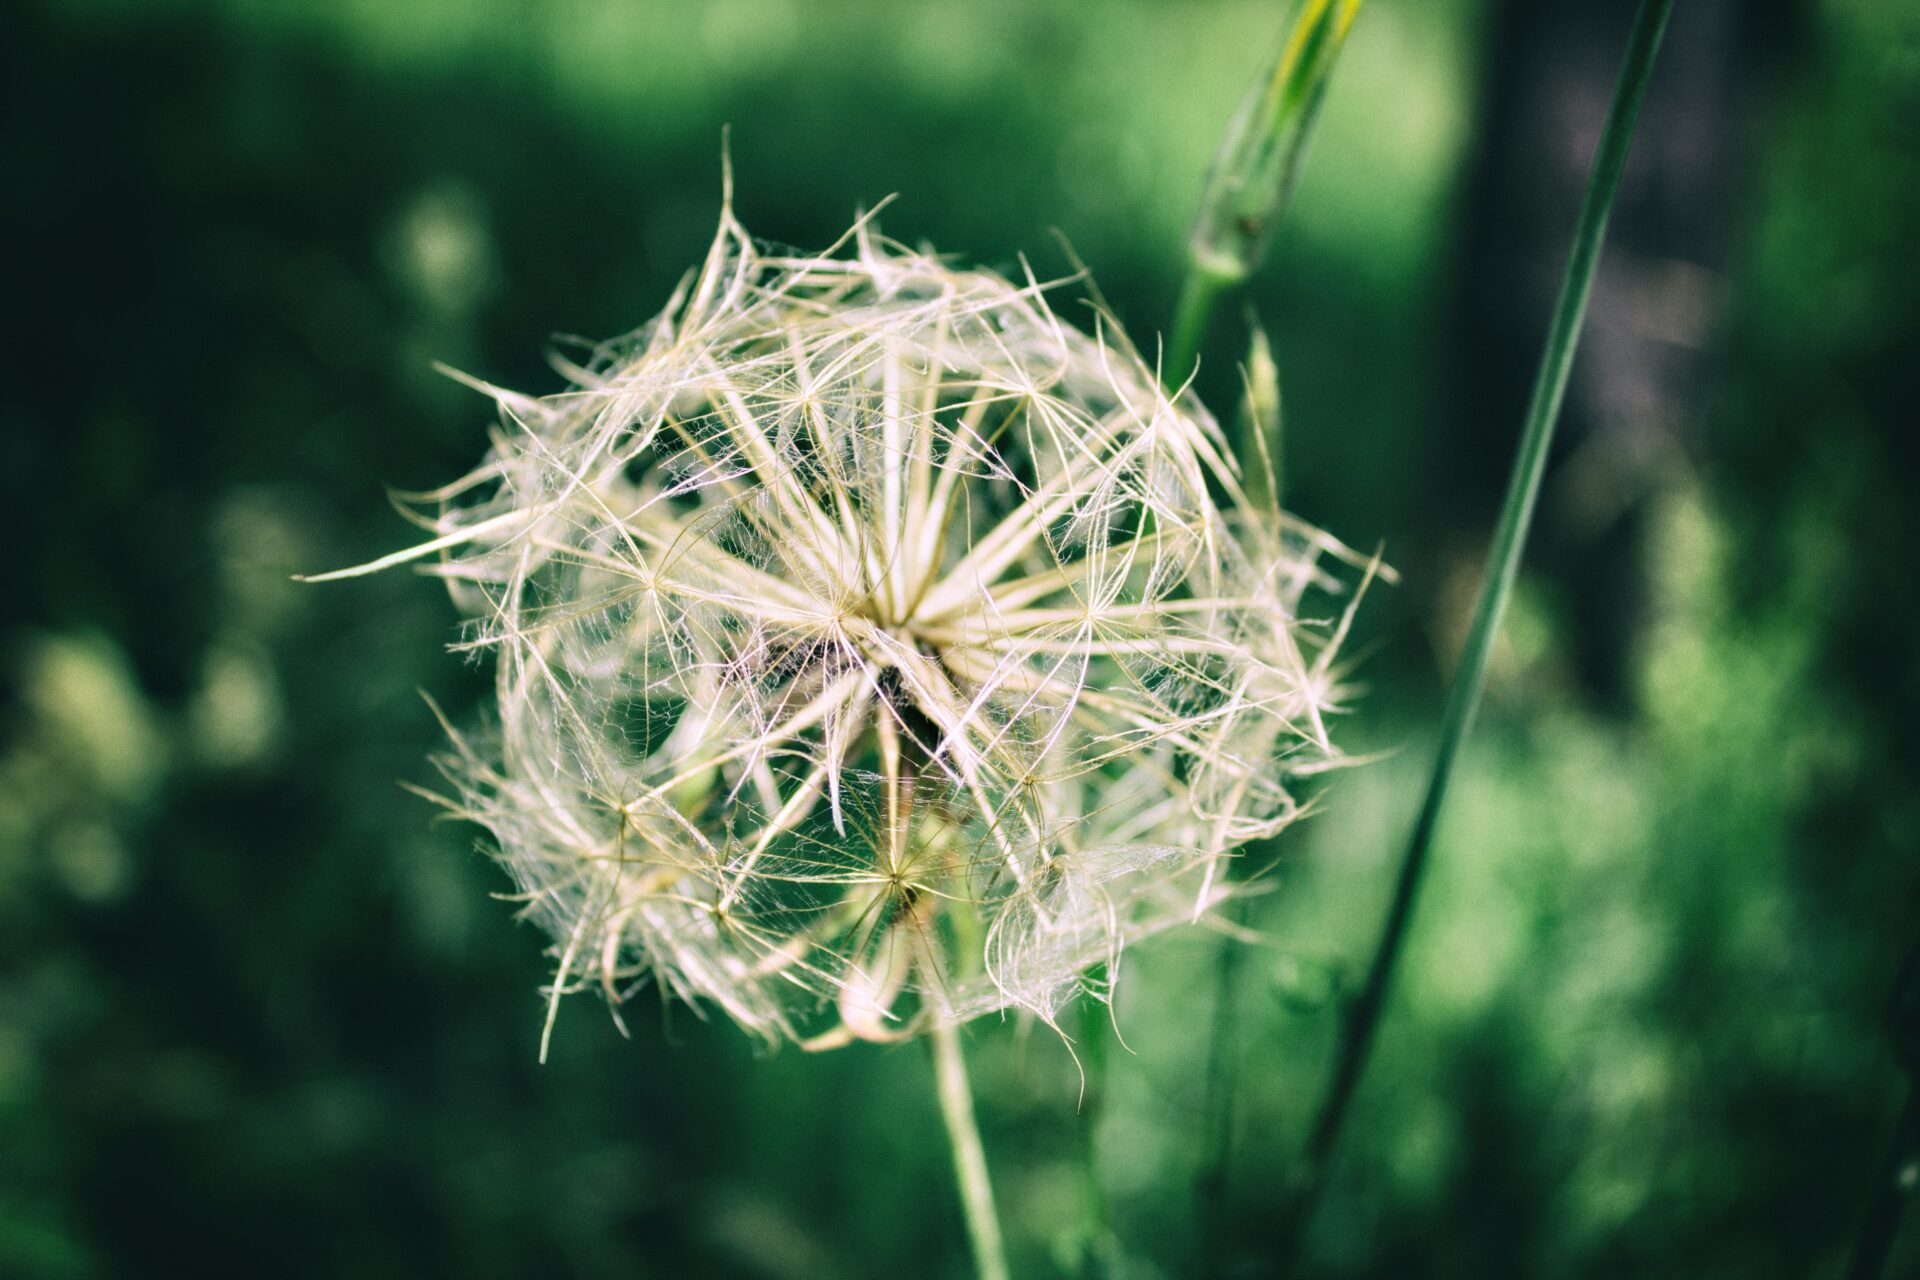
969, 1156
1192, 315
1096, 1220
1223, 1078
1516, 515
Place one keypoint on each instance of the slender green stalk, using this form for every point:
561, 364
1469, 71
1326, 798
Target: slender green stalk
1096, 1217
1192, 315
1259, 448
1254, 173
1223, 1079
1510, 537
969, 1156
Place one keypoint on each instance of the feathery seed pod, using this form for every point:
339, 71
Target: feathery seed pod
875, 650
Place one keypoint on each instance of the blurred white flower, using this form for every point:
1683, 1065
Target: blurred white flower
874, 648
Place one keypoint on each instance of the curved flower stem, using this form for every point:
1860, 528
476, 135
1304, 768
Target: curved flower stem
1516, 514
969, 1156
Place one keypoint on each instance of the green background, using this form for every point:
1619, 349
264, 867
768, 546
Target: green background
260, 1017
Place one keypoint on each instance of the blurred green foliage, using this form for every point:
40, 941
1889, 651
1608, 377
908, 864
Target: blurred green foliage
259, 1017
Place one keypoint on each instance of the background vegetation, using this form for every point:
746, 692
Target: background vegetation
258, 1017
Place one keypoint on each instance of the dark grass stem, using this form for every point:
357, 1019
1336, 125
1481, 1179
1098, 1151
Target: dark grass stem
1892, 1189
1543, 410
1899, 1173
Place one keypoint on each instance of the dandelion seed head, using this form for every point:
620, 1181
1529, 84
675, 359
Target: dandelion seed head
874, 648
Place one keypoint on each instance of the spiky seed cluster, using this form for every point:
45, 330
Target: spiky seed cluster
874, 648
